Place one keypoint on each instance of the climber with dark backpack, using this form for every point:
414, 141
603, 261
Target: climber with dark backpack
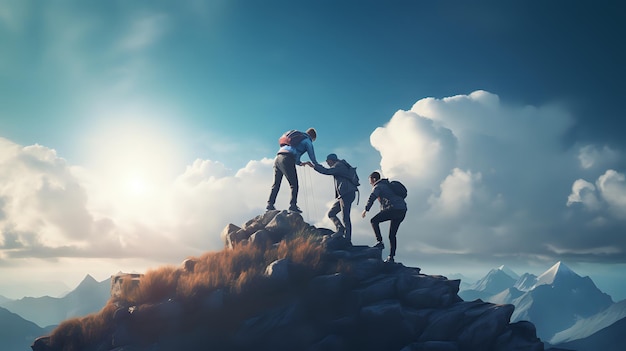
292, 145
346, 182
393, 208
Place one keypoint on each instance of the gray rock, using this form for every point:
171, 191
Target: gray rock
278, 271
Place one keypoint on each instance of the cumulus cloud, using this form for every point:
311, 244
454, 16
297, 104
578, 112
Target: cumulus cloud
590, 156
42, 202
585, 193
607, 197
612, 186
413, 145
456, 194
495, 179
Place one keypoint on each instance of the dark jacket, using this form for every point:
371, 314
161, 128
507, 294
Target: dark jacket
341, 173
388, 199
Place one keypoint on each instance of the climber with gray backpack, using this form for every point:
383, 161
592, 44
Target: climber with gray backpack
293, 144
391, 195
346, 182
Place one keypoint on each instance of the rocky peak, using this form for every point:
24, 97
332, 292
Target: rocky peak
345, 298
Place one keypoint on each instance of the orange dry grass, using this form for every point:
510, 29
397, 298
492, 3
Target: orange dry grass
76, 333
239, 272
155, 286
234, 270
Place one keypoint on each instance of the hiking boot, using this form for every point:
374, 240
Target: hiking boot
294, 208
270, 207
389, 259
379, 245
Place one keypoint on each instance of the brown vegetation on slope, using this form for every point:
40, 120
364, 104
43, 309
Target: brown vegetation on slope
239, 274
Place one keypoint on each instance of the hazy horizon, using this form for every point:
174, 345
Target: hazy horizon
131, 134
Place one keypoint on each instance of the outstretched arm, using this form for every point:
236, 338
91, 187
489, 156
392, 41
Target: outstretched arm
309, 150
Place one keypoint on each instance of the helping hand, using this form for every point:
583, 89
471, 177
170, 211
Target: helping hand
363, 214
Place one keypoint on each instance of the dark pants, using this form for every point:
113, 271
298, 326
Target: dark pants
285, 164
343, 205
396, 217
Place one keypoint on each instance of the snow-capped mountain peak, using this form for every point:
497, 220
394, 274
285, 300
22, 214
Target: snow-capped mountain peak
509, 272
526, 282
558, 270
494, 282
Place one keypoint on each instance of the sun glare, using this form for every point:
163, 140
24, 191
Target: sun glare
137, 186
136, 160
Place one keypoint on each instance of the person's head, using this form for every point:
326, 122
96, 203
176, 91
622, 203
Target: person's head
312, 133
331, 159
374, 177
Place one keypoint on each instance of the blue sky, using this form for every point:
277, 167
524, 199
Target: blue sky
131, 133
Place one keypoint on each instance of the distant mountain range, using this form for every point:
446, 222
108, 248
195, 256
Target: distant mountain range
4, 300
16, 333
563, 305
88, 297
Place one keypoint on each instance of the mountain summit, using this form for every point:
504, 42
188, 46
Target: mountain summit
282, 284
509, 272
557, 272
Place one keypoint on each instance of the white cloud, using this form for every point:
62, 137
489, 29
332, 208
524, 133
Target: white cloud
612, 186
583, 192
42, 201
591, 155
608, 193
456, 194
203, 171
413, 146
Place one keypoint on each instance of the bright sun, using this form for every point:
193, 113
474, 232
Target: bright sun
137, 185
135, 160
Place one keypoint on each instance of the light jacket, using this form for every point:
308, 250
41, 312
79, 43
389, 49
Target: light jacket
305, 146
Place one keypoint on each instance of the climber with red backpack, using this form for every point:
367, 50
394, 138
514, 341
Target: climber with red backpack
393, 208
293, 144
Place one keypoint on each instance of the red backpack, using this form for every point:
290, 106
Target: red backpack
291, 137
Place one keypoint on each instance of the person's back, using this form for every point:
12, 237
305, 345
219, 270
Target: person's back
340, 170
303, 143
388, 198
287, 158
344, 194
392, 208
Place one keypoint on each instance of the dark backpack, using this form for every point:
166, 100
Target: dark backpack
398, 188
291, 137
353, 176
